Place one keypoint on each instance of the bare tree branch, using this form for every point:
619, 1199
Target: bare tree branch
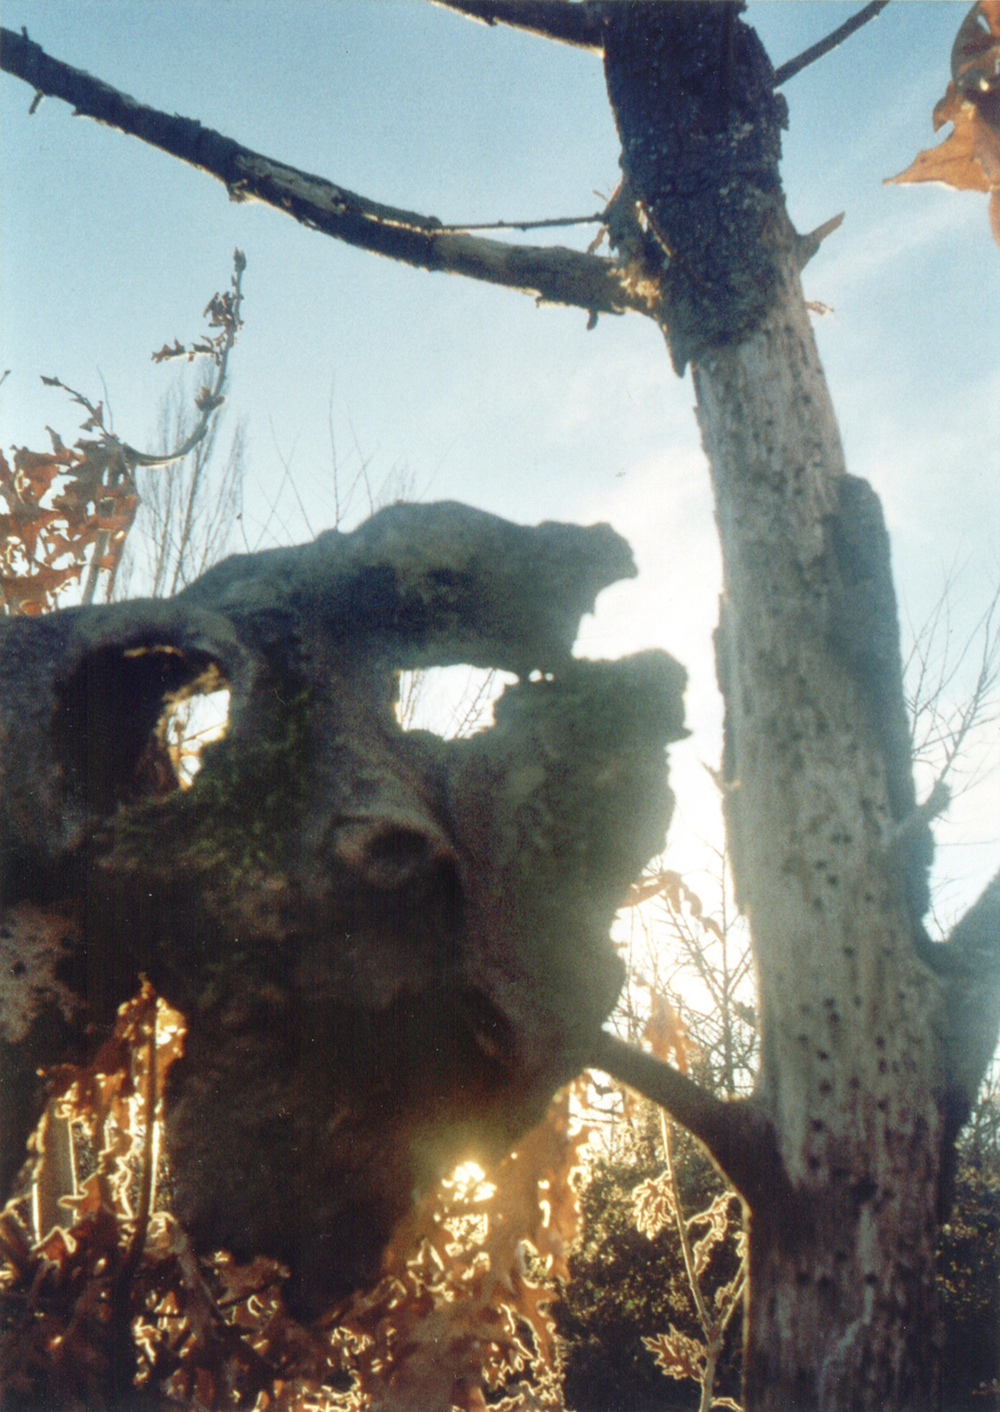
579, 24
816, 51
553, 274
944, 712
738, 1136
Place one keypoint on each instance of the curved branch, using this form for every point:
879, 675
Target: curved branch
553, 274
211, 398
737, 1135
579, 24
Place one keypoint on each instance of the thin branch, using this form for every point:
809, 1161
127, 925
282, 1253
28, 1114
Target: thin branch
580, 24
130, 1265
683, 1232
809, 56
940, 728
121, 1301
210, 399
225, 314
738, 1136
596, 219
553, 274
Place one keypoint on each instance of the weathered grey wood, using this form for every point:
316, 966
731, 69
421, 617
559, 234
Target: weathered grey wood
872, 1041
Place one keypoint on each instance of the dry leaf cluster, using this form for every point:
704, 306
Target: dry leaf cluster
116, 1298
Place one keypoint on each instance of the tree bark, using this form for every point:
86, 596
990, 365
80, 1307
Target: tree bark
389, 949
852, 1067
861, 1088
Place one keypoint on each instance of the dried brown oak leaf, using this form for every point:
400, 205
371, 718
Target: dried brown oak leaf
969, 158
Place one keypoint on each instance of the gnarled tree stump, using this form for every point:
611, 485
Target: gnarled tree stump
389, 949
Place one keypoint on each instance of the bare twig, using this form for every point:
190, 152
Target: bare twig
940, 725
208, 405
225, 311
816, 51
681, 1224
122, 1285
130, 1265
712, 1323
595, 219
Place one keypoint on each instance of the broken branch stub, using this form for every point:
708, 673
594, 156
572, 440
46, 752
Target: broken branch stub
389, 948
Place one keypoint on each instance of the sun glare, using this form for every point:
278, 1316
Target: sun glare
193, 724
468, 1183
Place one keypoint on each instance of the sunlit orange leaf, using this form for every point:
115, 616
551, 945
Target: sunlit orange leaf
30, 528
58, 544
969, 159
34, 593
646, 888
465, 1305
677, 1355
119, 521
653, 1205
716, 1217
34, 471
178, 351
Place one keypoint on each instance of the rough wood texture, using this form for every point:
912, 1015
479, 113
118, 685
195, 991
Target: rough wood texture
700, 125
851, 1062
389, 949
872, 1040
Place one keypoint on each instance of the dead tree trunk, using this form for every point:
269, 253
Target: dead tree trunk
842, 1270
859, 1079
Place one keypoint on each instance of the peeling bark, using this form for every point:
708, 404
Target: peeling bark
692, 92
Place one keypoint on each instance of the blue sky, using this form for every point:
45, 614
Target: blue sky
453, 389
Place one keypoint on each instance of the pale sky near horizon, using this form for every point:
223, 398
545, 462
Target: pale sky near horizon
453, 389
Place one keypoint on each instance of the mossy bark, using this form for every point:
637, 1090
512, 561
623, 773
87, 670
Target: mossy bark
389, 949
